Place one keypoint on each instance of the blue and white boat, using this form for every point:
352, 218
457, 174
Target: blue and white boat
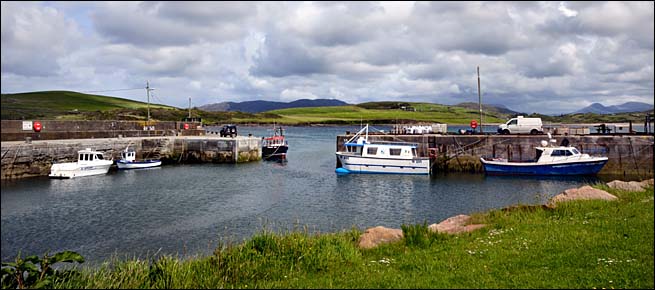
360, 156
550, 160
128, 161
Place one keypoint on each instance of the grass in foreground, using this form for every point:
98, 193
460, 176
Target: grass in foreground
582, 244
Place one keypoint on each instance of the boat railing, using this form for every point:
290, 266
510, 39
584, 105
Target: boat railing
394, 143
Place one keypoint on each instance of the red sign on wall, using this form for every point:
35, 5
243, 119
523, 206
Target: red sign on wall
37, 126
474, 124
186, 126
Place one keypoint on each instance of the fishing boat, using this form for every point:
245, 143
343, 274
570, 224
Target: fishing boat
362, 156
550, 160
89, 162
128, 161
275, 147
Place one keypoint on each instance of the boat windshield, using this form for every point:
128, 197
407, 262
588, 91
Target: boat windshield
575, 151
539, 152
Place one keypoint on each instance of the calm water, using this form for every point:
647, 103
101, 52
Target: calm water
189, 209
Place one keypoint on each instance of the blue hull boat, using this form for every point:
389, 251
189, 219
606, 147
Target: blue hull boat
553, 160
519, 168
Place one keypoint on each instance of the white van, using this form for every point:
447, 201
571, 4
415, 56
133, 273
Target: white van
521, 125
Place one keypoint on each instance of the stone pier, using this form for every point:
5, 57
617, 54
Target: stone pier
27, 159
629, 155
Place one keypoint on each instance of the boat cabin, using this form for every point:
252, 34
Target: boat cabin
382, 150
89, 156
128, 155
549, 154
274, 141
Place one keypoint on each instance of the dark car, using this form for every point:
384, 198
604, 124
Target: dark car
229, 130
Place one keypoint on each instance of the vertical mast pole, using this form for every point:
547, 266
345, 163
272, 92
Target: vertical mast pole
479, 99
148, 93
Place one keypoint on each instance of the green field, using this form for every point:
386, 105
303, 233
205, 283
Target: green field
53, 104
429, 113
577, 245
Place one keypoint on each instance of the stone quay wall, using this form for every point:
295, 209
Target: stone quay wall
22, 159
628, 154
13, 130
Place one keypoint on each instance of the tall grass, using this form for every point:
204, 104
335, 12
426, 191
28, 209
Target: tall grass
579, 244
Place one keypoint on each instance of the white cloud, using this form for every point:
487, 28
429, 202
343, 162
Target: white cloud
533, 56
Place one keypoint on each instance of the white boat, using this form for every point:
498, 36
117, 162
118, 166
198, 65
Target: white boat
89, 162
360, 156
128, 161
550, 160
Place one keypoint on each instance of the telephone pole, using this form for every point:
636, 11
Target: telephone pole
479, 100
148, 89
189, 108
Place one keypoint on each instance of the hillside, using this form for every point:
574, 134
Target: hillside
262, 106
65, 105
53, 104
377, 112
487, 108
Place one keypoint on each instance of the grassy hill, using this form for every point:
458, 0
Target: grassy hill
379, 112
64, 104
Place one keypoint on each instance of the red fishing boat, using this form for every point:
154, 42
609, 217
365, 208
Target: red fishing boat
275, 147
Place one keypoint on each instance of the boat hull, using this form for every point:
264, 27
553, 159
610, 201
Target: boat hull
274, 152
590, 167
71, 170
358, 164
121, 164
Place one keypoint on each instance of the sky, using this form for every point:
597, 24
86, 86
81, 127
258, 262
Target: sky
544, 57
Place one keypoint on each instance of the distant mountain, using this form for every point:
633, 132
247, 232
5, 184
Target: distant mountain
628, 107
262, 106
486, 108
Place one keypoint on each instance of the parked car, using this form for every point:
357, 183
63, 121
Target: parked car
229, 131
521, 125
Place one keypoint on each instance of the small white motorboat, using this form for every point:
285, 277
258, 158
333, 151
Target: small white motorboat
88, 163
128, 161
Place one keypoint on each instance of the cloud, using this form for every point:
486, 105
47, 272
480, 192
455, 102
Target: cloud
533, 56
34, 38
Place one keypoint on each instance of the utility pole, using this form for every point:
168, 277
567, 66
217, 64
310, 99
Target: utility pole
189, 108
148, 89
479, 99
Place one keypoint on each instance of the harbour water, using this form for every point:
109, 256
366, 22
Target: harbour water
189, 209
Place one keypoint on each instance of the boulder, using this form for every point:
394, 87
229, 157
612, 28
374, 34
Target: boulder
627, 185
585, 192
373, 237
455, 225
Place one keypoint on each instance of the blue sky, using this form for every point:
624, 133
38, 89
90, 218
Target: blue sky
546, 57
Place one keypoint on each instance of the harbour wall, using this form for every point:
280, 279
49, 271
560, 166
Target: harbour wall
19, 130
629, 155
28, 159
